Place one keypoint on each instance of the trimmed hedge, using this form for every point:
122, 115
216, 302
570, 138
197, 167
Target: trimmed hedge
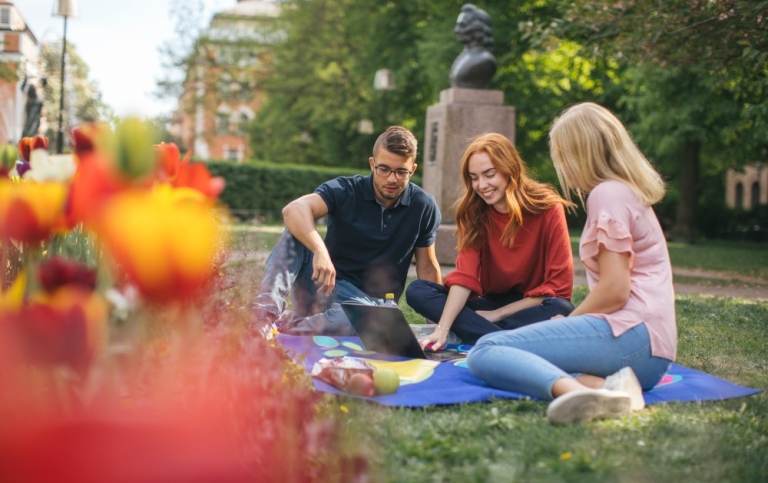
263, 189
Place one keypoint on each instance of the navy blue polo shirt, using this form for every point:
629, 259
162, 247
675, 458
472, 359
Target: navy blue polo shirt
370, 246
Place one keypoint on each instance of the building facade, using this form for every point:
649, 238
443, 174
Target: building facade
20, 77
221, 91
747, 188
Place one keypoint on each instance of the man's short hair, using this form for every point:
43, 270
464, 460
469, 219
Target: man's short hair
397, 140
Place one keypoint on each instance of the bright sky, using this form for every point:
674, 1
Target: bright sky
119, 41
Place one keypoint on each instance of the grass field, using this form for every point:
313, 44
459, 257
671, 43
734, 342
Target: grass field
512, 441
508, 440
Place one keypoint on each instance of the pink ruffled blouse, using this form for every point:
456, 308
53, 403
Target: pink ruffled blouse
620, 222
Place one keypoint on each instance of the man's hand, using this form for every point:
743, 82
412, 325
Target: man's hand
323, 273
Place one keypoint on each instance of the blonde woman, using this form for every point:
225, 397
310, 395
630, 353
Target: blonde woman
514, 265
623, 336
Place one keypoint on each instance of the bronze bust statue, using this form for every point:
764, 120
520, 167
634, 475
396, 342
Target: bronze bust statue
475, 65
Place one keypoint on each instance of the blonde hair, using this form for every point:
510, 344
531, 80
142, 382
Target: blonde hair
590, 145
523, 194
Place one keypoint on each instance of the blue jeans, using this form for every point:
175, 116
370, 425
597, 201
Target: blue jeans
531, 359
289, 271
428, 299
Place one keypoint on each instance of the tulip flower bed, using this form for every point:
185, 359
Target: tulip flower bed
128, 351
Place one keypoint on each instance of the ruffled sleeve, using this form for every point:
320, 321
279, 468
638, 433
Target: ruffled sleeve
467, 273
614, 235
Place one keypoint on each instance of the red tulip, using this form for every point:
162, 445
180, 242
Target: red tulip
67, 326
94, 183
27, 145
57, 272
182, 173
84, 137
197, 176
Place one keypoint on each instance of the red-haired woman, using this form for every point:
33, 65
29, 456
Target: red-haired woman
514, 265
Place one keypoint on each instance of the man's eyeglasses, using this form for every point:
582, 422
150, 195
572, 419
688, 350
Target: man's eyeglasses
385, 171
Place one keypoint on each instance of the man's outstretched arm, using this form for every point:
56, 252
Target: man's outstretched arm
299, 216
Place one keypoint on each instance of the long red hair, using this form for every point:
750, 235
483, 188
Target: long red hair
523, 194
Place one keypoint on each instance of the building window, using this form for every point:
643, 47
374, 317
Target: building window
739, 201
755, 194
233, 154
222, 122
5, 17
242, 124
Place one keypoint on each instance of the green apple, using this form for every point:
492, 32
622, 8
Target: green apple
386, 381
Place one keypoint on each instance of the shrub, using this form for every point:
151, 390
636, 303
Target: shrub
262, 189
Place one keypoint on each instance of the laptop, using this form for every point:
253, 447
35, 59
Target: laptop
385, 330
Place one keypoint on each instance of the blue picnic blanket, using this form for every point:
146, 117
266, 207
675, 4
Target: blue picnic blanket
428, 383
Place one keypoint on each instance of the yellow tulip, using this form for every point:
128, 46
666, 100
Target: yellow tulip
31, 212
165, 240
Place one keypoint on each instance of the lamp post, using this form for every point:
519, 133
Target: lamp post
66, 9
384, 81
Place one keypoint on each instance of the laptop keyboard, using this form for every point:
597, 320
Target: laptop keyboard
444, 355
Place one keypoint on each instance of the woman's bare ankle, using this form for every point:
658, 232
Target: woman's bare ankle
591, 381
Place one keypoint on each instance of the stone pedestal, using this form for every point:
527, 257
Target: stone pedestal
461, 115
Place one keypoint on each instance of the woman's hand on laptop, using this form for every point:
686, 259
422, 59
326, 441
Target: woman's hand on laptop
436, 340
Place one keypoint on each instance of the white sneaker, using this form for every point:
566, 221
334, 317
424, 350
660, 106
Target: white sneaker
588, 404
626, 381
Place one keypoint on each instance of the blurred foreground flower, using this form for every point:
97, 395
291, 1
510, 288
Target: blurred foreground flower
29, 144
96, 384
26, 147
180, 173
50, 167
67, 327
57, 272
195, 407
31, 212
165, 240
8, 158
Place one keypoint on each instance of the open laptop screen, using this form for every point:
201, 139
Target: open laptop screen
384, 329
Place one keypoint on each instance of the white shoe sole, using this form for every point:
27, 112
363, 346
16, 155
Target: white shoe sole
589, 404
626, 381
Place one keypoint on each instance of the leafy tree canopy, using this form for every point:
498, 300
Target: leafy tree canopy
82, 96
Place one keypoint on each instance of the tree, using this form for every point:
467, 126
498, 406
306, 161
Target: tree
82, 99
322, 83
321, 87
708, 87
214, 72
7, 72
178, 53
680, 118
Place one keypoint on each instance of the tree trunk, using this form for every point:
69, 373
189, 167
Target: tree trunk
685, 225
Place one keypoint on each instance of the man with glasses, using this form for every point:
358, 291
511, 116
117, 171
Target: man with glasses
376, 224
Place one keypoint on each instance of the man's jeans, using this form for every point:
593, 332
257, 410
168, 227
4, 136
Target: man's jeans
289, 270
531, 359
428, 299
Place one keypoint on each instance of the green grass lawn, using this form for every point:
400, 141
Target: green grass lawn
743, 258
740, 258
511, 440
